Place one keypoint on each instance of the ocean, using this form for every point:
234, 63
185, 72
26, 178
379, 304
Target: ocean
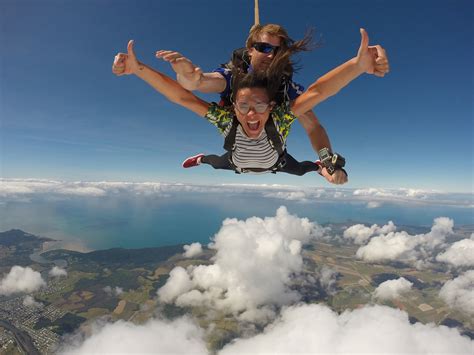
131, 221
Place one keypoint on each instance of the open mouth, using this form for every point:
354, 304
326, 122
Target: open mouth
253, 125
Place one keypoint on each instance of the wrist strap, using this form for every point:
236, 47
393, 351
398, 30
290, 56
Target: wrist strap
320, 167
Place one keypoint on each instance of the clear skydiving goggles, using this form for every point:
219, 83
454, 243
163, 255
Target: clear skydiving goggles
266, 48
244, 107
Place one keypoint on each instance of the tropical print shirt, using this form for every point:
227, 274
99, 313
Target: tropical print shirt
222, 118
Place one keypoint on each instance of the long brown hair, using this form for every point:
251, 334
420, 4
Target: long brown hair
282, 63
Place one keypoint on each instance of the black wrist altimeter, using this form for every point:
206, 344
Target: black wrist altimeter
330, 161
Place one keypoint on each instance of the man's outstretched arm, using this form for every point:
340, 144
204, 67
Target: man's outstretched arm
191, 76
319, 140
315, 131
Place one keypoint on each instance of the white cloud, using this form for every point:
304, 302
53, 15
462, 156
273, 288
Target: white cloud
116, 291
404, 247
289, 195
392, 289
192, 250
459, 254
374, 196
459, 293
178, 283
441, 228
181, 336
393, 193
57, 272
328, 279
21, 279
311, 329
17, 188
360, 234
372, 192
254, 262
82, 191
29, 301
374, 204
304, 194
415, 193
24, 189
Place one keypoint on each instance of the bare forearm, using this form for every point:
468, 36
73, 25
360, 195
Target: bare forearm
315, 131
319, 138
330, 83
162, 83
188, 84
327, 86
172, 90
207, 83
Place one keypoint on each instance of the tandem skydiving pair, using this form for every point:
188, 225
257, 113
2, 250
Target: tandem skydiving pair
259, 100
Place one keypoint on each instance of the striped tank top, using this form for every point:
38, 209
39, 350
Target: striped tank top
253, 153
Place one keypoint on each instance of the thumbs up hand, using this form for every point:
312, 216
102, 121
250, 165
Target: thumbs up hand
126, 63
372, 59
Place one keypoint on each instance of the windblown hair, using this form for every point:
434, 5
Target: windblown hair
282, 63
256, 80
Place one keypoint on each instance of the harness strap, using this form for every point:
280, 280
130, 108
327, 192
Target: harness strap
274, 138
229, 142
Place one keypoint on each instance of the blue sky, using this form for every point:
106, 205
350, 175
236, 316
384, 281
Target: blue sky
64, 115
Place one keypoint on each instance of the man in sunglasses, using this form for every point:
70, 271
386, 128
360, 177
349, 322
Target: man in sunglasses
265, 45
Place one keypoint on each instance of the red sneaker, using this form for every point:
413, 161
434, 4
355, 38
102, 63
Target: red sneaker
192, 161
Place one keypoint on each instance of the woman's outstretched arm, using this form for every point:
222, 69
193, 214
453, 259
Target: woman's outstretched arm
369, 59
127, 64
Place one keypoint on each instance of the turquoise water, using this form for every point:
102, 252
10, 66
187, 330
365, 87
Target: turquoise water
137, 221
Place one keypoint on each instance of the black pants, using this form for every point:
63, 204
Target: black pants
291, 166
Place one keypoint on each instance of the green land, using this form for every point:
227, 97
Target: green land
122, 284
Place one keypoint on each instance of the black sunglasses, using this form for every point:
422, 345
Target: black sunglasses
266, 48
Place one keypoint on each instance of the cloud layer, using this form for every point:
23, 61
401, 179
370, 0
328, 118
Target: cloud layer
256, 266
21, 189
305, 329
310, 329
254, 262
181, 336
21, 279
401, 246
